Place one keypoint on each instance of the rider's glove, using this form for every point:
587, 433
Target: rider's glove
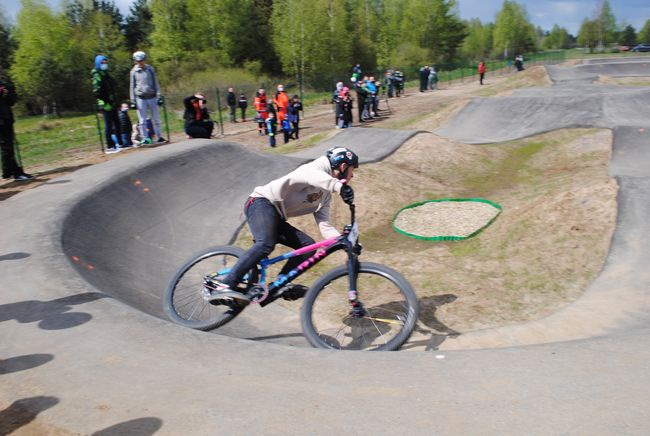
347, 194
161, 100
132, 105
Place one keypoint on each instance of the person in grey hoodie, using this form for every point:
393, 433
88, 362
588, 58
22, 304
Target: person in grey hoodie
144, 92
306, 190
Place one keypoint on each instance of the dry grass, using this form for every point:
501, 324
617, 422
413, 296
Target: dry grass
559, 208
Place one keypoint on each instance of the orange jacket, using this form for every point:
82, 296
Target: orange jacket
281, 101
261, 106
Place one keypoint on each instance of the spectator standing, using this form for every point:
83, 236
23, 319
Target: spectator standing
144, 91
424, 77
357, 73
295, 107
243, 104
10, 167
519, 63
271, 128
372, 96
281, 101
399, 83
389, 81
363, 101
286, 128
104, 91
231, 100
481, 71
197, 118
433, 78
344, 109
336, 96
261, 107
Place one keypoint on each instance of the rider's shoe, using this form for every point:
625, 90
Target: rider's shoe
293, 291
215, 291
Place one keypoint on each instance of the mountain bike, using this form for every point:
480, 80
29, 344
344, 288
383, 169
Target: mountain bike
356, 306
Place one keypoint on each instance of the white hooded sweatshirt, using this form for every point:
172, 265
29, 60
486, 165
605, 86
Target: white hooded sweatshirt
307, 189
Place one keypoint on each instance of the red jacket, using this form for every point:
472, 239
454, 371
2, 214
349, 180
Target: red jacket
481, 68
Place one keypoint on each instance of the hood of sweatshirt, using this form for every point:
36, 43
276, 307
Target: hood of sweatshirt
99, 59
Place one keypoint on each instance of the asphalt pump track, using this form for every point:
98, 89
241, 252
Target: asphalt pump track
86, 349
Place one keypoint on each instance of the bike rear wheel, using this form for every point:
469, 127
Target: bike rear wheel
183, 302
390, 310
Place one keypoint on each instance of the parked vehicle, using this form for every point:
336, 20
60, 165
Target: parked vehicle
642, 47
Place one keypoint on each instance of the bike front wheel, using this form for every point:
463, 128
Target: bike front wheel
183, 302
390, 309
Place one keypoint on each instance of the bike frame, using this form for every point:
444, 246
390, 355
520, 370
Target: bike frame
322, 249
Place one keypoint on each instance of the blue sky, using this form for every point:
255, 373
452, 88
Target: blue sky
566, 13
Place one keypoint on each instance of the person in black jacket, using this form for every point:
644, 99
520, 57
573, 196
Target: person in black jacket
197, 118
126, 126
104, 91
10, 167
424, 78
231, 99
295, 106
243, 104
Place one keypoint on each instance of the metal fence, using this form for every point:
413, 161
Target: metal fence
83, 130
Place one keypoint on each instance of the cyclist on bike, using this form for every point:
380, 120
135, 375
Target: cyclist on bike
305, 190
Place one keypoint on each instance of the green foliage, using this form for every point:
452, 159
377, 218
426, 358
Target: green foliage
557, 38
588, 34
416, 32
46, 60
478, 43
513, 32
170, 37
138, 26
605, 24
628, 36
7, 41
644, 33
311, 39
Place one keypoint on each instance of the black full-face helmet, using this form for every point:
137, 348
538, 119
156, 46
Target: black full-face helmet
339, 155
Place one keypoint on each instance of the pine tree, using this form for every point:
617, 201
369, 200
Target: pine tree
138, 26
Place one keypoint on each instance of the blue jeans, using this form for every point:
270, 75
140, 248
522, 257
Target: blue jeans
111, 125
268, 229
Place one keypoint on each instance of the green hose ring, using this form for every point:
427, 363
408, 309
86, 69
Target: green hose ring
445, 238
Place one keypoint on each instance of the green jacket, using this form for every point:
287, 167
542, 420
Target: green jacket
103, 89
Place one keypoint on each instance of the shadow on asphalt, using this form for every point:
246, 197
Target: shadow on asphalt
50, 315
22, 363
22, 412
141, 427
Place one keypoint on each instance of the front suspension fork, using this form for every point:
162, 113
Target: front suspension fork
353, 270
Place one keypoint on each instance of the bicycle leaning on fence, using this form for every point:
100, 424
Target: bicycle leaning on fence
356, 306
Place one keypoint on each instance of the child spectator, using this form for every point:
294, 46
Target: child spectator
344, 109
126, 126
295, 106
261, 107
271, 128
286, 129
336, 95
243, 104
